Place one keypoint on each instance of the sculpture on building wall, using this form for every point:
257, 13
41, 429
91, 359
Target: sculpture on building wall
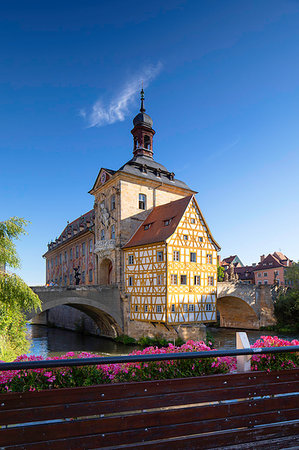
77, 275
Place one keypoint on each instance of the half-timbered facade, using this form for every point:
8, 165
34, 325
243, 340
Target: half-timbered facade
171, 266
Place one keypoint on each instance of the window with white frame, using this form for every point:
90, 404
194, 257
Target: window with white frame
173, 278
159, 308
200, 238
266, 282
183, 279
142, 201
136, 308
192, 220
209, 259
185, 307
192, 257
130, 281
176, 255
197, 280
159, 280
131, 259
145, 308
159, 256
265, 274
210, 281
208, 306
172, 308
185, 237
259, 274
191, 307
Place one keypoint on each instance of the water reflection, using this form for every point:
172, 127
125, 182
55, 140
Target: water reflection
225, 338
54, 341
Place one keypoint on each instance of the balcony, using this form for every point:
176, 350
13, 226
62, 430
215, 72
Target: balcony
104, 246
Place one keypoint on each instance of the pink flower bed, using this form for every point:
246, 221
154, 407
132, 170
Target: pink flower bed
278, 361
39, 379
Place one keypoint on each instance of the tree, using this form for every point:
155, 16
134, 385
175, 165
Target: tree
220, 273
292, 275
16, 298
286, 307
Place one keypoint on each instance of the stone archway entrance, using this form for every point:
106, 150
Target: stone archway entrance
106, 272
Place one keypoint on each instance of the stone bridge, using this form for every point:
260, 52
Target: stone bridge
239, 305
242, 305
101, 303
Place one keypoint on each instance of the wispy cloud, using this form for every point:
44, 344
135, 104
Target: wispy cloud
117, 110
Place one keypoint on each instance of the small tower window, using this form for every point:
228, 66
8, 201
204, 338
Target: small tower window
102, 235
147, 142
135, 143
142, 201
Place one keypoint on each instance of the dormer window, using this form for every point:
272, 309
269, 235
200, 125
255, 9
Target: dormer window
147, 226
167, 222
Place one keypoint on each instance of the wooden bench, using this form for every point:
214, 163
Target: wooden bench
247, 410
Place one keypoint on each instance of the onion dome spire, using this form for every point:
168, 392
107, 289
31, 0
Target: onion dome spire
142, 109
143, 131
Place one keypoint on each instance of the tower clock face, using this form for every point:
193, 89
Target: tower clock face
103, 177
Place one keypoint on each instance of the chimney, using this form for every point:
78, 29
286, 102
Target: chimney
262, 258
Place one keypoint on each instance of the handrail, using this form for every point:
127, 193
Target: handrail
142, 358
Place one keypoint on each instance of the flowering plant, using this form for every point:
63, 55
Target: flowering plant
277, 361
39, 379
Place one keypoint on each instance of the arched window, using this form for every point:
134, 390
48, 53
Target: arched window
147, 142
135, 143
142, 201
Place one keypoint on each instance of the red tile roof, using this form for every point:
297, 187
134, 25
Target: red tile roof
157, 231
272, 261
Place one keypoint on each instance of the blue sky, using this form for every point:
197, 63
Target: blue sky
221, 84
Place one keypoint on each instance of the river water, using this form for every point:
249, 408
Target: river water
46, 341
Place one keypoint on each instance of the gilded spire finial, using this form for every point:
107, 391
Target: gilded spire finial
142, 109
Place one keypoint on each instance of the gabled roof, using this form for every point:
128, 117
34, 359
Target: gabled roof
110, 172
229, 259
157, 231
153, 229
273, 260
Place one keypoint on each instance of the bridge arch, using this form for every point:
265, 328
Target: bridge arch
107, 324
236, 313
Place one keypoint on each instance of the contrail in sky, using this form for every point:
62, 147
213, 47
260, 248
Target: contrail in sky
118, 108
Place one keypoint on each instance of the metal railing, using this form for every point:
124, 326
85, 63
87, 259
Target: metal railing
144, 358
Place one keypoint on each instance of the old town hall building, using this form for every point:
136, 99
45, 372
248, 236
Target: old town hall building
147, 235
